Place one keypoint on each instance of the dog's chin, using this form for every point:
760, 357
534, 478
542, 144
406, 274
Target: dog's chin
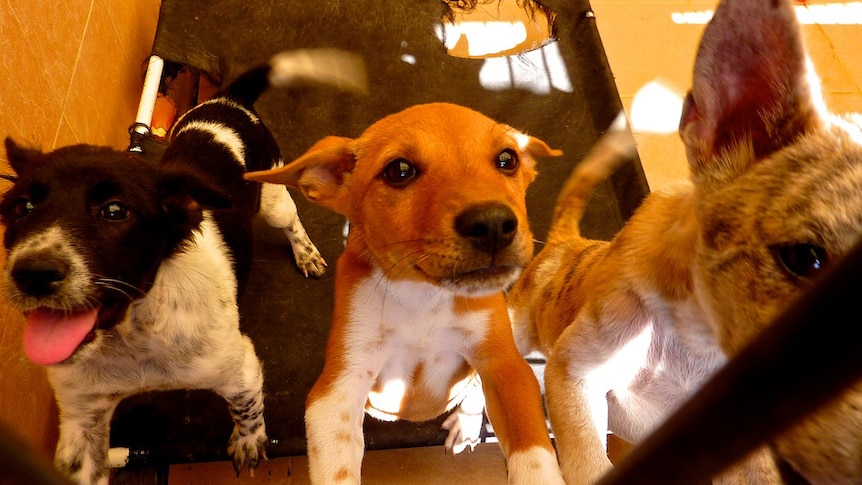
481, 282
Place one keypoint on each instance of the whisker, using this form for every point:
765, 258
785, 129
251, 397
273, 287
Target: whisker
120, 286
406, 241
114, 288
423, 256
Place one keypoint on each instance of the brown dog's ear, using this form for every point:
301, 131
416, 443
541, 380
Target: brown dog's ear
536, 147
318, 173
750, 93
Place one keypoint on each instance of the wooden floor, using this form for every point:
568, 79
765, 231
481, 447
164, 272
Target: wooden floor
424, 465
419, 466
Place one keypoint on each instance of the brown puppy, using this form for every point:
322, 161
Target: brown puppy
633, 326
435, 199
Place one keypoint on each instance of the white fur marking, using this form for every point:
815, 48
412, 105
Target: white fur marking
534, 465
222, 134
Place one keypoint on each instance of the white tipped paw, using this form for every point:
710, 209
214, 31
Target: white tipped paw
247, 450
465, 430
309, 260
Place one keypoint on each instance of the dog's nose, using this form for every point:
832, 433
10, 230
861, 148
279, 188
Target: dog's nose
490, 227
39, 276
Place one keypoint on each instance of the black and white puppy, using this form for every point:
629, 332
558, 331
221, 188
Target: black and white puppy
128, 271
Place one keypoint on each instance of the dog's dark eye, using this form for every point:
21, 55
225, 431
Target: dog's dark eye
114, 211
507, 161
399, 172
23, 208
802, 260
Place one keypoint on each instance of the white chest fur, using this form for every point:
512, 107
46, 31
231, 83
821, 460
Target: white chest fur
410, 338
184, 333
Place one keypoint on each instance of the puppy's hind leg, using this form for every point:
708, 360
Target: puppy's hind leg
244, 395
279, 210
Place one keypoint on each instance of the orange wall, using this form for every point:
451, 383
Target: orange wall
644, 44
71, 73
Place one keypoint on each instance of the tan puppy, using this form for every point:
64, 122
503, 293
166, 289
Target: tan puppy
435, 199
633, 326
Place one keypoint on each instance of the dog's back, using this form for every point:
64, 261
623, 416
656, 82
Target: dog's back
219, 140
567, 255
224, 137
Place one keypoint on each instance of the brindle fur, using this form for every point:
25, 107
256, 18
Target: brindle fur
634, 325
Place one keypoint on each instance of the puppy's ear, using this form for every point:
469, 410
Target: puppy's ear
18, 155
536, 147
185, 195
750, 94
533, 147
319, 173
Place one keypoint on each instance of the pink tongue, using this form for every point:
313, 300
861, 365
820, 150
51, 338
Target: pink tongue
51, 336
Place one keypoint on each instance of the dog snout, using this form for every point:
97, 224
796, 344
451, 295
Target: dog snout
39, 275
489, 227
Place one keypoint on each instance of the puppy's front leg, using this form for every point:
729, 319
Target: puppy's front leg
514, 404
579, 425
603, 349
334, 414
84, 435
244, 395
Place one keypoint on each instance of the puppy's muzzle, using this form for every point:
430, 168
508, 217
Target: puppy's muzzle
39, 276
490, 228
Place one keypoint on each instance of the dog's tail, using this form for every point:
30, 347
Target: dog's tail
341, 69
612, 150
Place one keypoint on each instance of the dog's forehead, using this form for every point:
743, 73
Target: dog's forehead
829, 184
97, 177
436, 130
808, 192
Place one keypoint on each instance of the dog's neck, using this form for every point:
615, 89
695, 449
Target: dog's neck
179, 290
405, 290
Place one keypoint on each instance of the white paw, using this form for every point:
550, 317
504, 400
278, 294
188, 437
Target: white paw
309, 260
247, 450
465, 430
534, 466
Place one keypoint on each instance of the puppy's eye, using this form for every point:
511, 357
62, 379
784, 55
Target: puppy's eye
114, 211
23, 208
802, 260
507, 161
399, 172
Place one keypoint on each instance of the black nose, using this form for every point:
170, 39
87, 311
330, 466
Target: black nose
490, 227
39, 276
